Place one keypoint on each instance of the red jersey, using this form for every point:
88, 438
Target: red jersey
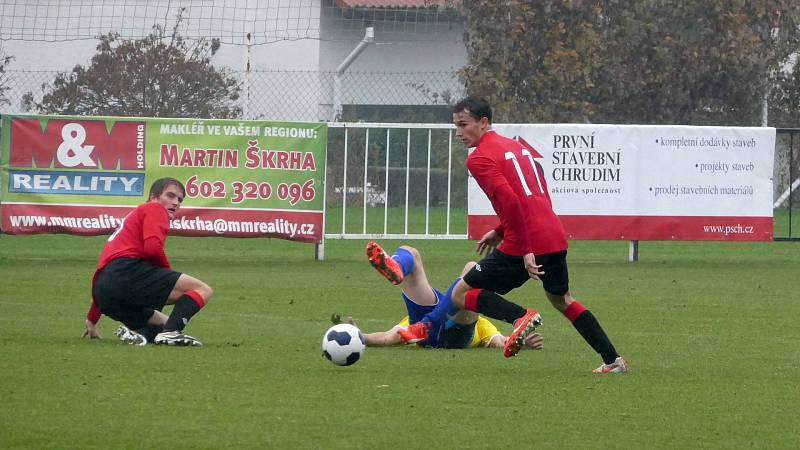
148, 221
515, 185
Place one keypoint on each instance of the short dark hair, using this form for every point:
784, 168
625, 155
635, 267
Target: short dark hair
160, 184
477, 107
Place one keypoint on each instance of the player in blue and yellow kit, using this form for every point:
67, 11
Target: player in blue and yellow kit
457, 328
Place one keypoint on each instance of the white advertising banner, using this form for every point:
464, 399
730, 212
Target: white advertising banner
649, 182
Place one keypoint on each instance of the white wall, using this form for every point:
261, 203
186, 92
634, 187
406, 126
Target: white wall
412, 49
272, 92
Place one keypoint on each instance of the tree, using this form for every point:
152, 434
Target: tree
695, 62
629, 61
4, 61
159, 75
785, 99
534, 60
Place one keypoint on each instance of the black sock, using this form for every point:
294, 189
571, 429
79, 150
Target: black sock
150, 331
492, 304
588, 326
183, 311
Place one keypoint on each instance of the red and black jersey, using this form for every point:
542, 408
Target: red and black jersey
141, 235
148, 220
515, 185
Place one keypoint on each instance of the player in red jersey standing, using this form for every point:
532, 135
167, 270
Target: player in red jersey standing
532, 242
134, 279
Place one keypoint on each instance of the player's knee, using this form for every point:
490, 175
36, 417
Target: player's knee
560, 302
205, 290
414, 252
467, 267
459, 293
461, 288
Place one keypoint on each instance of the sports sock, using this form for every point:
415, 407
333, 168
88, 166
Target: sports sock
405, 259
492, 304
150, 331
187, 306
587, 325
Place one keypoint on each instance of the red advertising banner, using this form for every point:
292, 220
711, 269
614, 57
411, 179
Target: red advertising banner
94, 220
81, 175
649, 228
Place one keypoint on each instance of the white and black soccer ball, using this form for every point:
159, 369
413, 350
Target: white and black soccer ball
343, 344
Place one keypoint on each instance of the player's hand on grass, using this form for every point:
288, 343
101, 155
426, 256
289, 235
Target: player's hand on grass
488, 242
91, 331
534, 270
336, 319
535, 341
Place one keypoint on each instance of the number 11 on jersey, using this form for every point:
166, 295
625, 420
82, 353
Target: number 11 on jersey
513, 158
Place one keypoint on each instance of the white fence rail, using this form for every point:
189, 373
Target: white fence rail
380, 179
381, 170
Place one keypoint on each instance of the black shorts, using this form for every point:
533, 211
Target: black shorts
452, 335
128, 290
501, 273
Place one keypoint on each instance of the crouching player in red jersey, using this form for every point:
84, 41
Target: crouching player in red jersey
457, 328
134, 279
532, 242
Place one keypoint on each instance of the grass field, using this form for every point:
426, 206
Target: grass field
710, 331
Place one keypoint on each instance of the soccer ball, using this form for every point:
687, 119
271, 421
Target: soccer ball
343, 344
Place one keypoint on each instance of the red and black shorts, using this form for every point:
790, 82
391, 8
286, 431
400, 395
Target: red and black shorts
501, 273
129, 290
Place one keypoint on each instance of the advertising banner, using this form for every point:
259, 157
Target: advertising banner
82, 175
635, 182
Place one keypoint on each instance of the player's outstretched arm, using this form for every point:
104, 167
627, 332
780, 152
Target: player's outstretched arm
534, 342
534, 270
488, 242
380, 338
383, 338
92, 317
91, 330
